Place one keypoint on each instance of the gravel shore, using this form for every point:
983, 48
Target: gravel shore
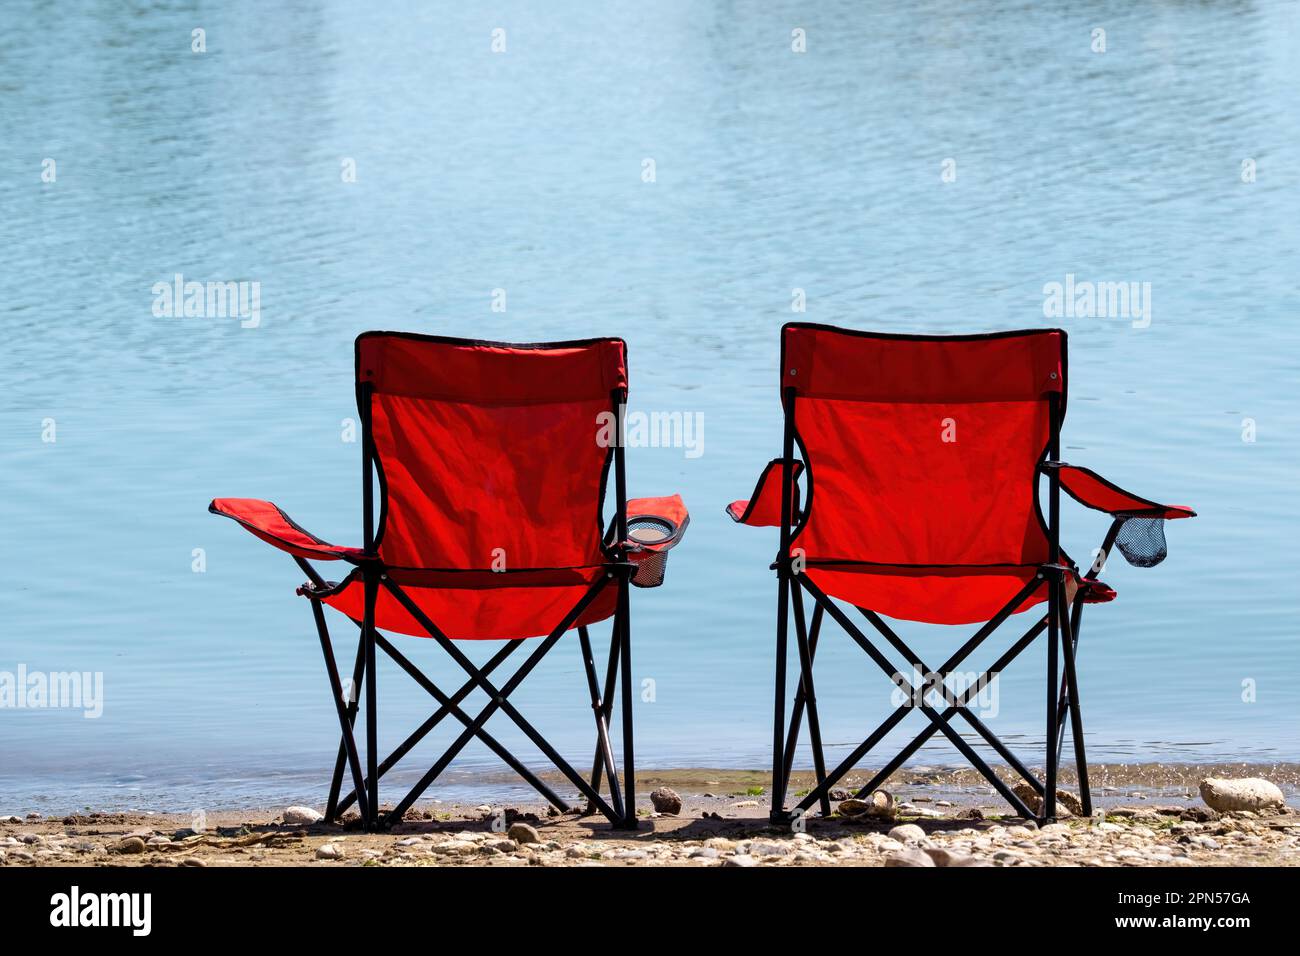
709, 831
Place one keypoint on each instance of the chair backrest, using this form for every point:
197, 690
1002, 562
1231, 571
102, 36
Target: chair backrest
489, 454
923, 450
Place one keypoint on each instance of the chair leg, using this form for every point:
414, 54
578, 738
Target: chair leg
629, 820
606, 708
336, 689
340, 764
597, 708
796, 715
1048, 812
810, 702
372, 708
777, 813
1068, 645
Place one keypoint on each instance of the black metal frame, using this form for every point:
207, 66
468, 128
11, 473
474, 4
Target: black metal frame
1062, 623
620, 809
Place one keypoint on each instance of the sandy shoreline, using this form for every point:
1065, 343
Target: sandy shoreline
1149, 815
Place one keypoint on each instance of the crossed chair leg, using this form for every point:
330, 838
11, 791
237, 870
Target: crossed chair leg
620, 809
1061, 622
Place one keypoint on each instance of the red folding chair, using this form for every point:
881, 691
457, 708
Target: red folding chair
921, 458
493, 462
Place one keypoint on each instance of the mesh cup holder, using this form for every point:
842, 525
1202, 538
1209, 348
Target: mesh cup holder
1142, 541
651, 532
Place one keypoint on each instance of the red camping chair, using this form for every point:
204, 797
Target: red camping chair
493, 461
920, 464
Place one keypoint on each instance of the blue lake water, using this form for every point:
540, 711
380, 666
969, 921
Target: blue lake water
524, 171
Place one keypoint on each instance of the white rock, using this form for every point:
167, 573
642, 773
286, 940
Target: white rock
909, 858
907, 833
329, 851
300, 815
1250, 793
740, 859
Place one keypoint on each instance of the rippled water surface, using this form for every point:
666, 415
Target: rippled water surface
523, 171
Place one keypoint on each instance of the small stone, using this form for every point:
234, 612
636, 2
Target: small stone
768, 849
666, 800
302, 815
907, 833
909, 857
1067, 804
329, 851
944, 857
879, 804
192, 861
745, 803
129, 845
524, 833
11, 819
705, 853
740, 859
1249, 793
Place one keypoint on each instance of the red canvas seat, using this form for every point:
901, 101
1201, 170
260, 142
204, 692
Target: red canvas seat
915, 495
478, 605
492, 463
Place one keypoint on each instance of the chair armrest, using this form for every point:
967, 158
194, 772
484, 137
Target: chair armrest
763, 508
272, 525
1093, 491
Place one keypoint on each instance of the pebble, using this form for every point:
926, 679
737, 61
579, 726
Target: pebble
907, 833
130, 845
740, 859
302, 815
909, 858
666, 800
524, 833
768, 849
329, 851
1248, 793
